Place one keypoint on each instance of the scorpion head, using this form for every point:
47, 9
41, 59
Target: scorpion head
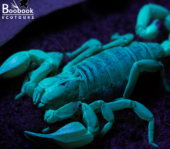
57, 95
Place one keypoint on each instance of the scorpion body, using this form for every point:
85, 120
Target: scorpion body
105, 74
97, 75
98, 79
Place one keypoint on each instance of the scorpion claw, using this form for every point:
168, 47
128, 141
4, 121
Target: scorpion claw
39, 140
15, 65
71, 135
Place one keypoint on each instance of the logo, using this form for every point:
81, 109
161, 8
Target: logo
23, 3
16, 12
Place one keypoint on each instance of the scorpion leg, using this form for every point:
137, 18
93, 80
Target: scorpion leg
89, 52
73, 134
166, 46
146, 65
140, 110
145, 14
119, 40
26, 79
85, 46
107, 113
95, 47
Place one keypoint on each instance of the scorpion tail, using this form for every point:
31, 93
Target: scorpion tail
71, 135
15, 65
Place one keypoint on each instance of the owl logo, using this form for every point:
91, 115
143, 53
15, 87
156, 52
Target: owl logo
23, 3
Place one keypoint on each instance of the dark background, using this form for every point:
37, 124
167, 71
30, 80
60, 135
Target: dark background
63, 31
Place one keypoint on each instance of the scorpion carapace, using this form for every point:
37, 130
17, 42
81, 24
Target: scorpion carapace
97, 74
57, 88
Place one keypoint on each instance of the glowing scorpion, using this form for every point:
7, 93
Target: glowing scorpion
92, 80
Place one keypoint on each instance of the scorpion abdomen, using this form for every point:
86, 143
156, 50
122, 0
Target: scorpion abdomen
103, 73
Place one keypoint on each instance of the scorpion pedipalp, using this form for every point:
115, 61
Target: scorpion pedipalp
73, 134
64, 112
63, 137
20, 62
15, 65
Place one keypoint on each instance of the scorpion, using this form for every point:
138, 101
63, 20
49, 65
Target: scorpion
89, 83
